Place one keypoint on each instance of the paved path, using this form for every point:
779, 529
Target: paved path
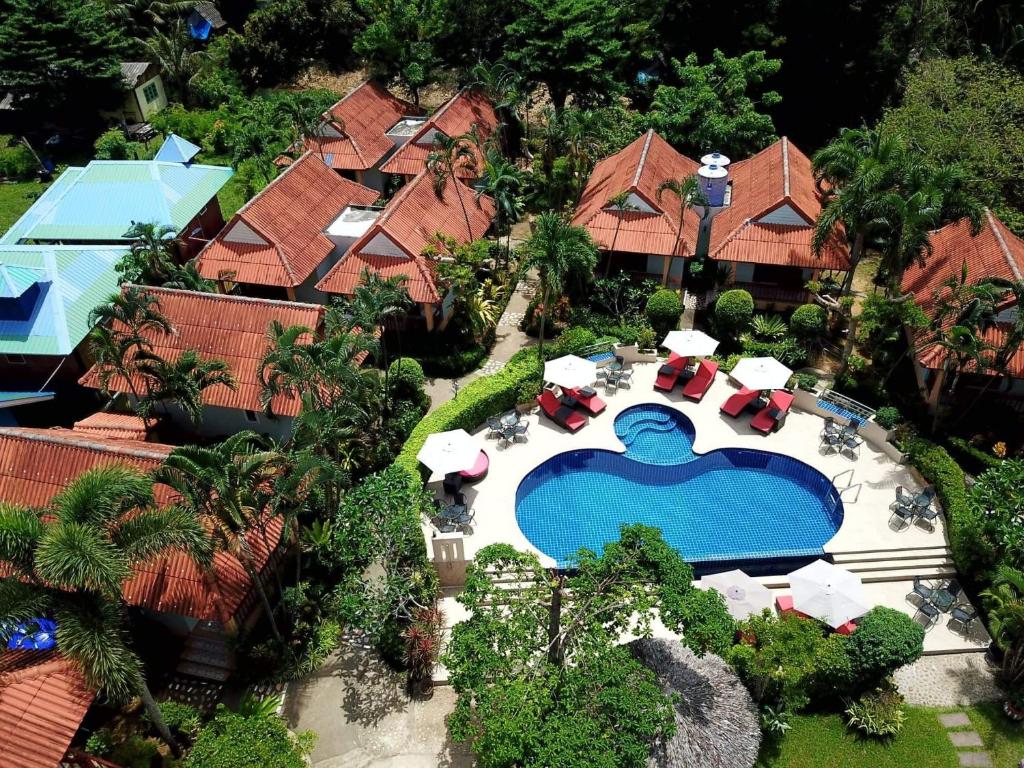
947, 680
364, 719
509, 340
967, 741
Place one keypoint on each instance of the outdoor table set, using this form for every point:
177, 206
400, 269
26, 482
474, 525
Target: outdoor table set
932, 602
508, 426
454, 516
841, 438
615, 375
908, 508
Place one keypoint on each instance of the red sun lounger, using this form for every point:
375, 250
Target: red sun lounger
734, 405
589, 402
698, 386
562, 415
771, 416
669, 373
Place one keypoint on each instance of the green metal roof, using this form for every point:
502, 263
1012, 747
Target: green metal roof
102, 201
15, 280
52, 316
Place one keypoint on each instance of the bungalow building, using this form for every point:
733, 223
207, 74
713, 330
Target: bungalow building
759, 224
46, 295
284, 240
644, 237
393, 244
99, 204
995, 252
763, 232
145, 93
232, 329
359, 133
468, 110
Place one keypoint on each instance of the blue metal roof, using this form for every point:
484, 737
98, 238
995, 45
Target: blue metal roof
52, 316
101, 202
177, 150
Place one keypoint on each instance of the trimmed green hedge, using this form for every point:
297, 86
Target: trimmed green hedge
973, 556
481, 398
975, 459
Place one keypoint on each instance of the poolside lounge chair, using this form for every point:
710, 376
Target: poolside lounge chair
772, 416
670, 372
735, 405
588, 400
699, 385
568, 418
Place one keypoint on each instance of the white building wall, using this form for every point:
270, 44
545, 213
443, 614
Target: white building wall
636, 202
241, 232
151, 107
784, 215
382, 245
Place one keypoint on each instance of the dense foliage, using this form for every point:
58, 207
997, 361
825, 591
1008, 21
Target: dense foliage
808, 322
663, 310
734, 310
885, 640
236, 740
997, 499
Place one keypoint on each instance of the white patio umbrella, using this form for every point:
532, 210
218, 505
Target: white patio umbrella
744, 595
761, 373
827, 592
690, 343
445, 452
570, 372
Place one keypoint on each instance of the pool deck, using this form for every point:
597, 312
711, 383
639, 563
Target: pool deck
865, 543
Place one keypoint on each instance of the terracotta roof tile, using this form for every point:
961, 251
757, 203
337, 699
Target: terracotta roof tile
994, 252
121, 426
639, 168
36, 464
289, 217
43, 699
466, 109
230, 328
362, 119
758, 243
395, 242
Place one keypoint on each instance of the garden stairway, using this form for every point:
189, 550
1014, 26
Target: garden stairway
207, 654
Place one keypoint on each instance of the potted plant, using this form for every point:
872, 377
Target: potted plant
422, 649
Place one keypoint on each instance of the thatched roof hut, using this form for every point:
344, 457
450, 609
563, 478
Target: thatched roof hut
716, 720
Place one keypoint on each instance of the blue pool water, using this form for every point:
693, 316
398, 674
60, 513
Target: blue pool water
729, 505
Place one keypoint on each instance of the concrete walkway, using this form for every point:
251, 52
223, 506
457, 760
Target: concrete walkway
364, 718
948, 680
509, 340
968, 742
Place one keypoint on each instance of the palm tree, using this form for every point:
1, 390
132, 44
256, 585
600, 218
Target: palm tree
503, 182
230, 487
1015, 335
187, 278
150, 258
179, 61
688, 193
557, 250
375, 302
182, 381
449, 157
1005, 603
619, 203
72, 567
503, 87
852, 172
140, 16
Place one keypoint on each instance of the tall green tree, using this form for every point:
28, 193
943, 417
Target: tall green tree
60, 57
151, 255
376, 303
688, 193
502, 180
1004, 601
70, 561
451, 157
574, 47
229, 486
398, 42
540, 673
719, 105
558, 251
179, 61
141, 17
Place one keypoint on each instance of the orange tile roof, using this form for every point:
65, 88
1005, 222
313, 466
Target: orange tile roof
43, 699
37, 464
463, 111
394, 244
994, 252
121, 426
363, 118
289, 217
777, 176
230, 328
639, 168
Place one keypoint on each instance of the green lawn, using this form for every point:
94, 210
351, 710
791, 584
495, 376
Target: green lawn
15, 199
823, 741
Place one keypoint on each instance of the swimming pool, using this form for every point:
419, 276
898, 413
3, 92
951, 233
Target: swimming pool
728, 505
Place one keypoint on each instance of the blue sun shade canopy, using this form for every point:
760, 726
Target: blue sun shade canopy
177, 150
33, 635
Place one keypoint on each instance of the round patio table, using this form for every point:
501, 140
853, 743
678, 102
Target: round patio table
615, 365
510, 419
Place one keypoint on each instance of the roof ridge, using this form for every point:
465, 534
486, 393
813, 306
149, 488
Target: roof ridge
732, 235
785, 167
643, 157
227, 297
1007, 254
285, 172
87, 443
52, 664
